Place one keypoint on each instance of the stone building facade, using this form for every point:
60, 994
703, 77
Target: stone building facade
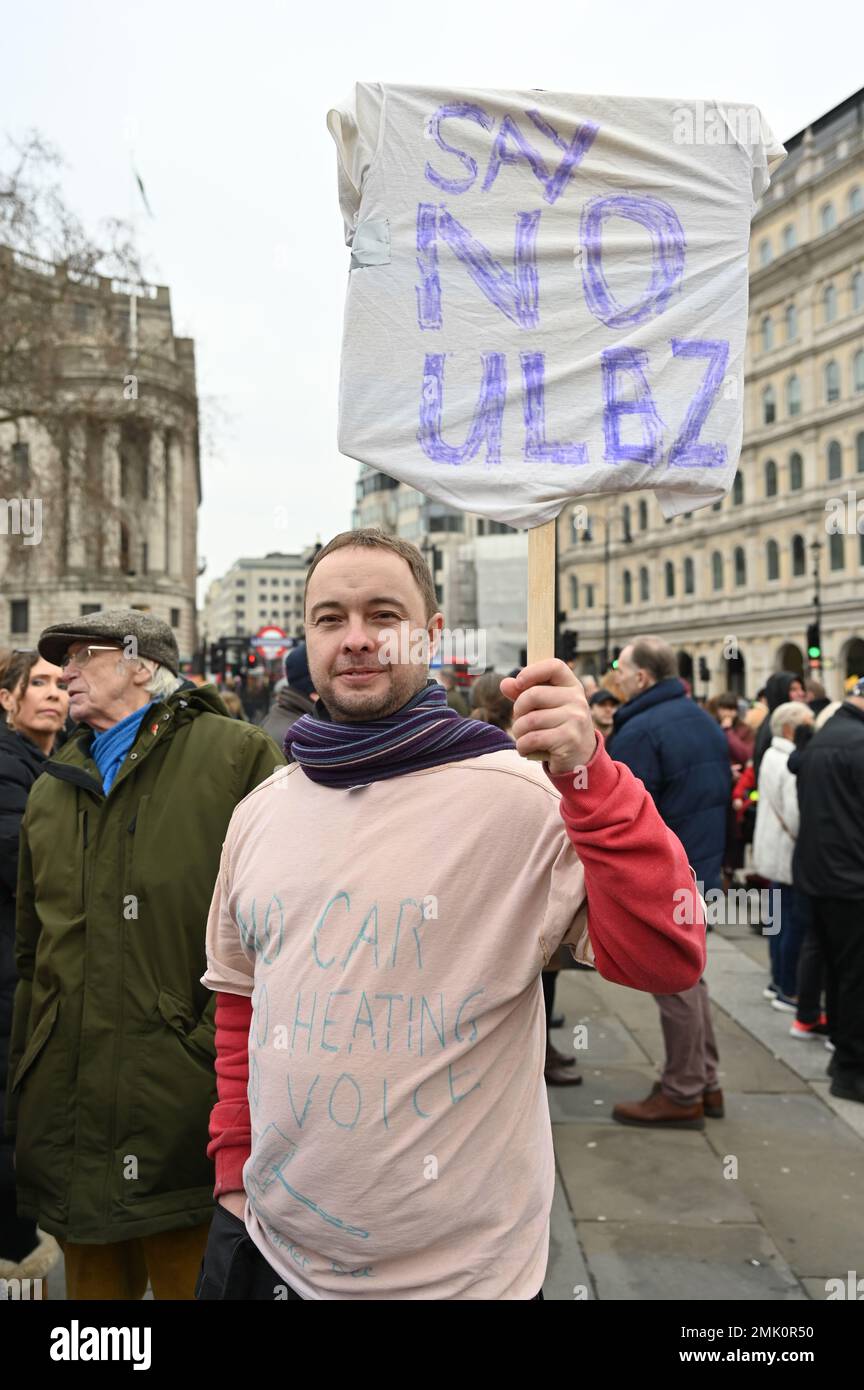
254, 592
114, 467
735, 584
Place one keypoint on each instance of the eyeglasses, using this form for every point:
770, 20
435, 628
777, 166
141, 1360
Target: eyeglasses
83, 657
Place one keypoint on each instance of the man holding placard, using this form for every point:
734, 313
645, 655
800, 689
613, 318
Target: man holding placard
382, 1129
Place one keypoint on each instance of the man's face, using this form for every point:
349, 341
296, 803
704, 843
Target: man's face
364, 614
797, 691
631, 679
105, 689
603, 713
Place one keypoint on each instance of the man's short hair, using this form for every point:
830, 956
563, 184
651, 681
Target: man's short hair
655, 656
374, 536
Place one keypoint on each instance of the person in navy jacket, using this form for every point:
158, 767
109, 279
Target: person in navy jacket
679, 752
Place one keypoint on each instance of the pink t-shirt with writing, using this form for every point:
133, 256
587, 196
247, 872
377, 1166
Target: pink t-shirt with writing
392, 938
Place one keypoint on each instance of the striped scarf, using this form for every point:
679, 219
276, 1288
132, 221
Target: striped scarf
423, 733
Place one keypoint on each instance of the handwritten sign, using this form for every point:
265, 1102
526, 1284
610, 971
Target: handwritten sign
548, 293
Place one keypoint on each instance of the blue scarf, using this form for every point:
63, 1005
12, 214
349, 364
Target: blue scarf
110, 746
423, 733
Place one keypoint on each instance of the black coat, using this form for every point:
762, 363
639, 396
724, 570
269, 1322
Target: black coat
829, 852
21, 762
776, 693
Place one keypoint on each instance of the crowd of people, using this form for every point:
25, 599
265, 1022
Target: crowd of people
331, 940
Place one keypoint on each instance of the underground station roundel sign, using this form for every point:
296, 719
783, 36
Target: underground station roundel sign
271, 642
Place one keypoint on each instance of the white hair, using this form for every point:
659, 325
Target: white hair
162, 682
793, 712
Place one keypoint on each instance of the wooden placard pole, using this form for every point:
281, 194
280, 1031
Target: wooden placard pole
542, 617
541, 592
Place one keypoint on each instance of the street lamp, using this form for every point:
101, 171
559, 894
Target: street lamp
608, 518
814, 631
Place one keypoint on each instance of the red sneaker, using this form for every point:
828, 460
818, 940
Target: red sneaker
810, 1030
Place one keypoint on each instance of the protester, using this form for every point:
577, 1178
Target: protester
681, 756
773, 845
296, 697
440, 871
814, 694
33, 707
111, 1058
739, 737
603, 705
828, 865
780, 688
232, 702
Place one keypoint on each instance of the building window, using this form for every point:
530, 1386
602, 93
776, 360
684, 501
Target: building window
574, 592
644, 585
799, 558
829, 304
239, 583
861, 549
717, 506
836, 557
175, 617
89, 608
793, 396
765, 252
738, 489
858, 371
796, 472
832, 381
589, 595
689, 576
124, 548
835, 461
789, 237
767, 329
769, 406
770, 478
446, 523
716, 571
828, 217
627, 587
859, 452
625, 522
772, 560
19, 615
740, 564
145, 557
643, 514
239, 616
81, 317
669, 578
858, 291
856, 200
791, 317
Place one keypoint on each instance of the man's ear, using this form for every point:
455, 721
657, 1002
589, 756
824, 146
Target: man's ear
434, 629
141, 675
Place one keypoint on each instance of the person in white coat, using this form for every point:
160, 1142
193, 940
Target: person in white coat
774, 839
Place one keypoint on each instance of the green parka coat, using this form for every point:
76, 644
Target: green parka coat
111, 1077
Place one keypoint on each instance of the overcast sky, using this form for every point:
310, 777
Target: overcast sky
224, 106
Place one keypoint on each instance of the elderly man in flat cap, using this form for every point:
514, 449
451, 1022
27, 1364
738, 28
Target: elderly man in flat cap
111, 1077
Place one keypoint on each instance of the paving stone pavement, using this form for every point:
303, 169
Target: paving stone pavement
766, 1204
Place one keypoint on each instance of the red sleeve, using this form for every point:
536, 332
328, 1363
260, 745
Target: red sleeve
230, 1127
740, 748
645, 916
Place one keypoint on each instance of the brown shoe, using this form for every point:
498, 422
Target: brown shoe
659, 1111
560, 1070
712, 1102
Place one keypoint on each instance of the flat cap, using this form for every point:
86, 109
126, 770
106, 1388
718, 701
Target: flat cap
154, 639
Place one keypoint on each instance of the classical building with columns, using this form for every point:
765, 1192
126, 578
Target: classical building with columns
737, 584
112, 462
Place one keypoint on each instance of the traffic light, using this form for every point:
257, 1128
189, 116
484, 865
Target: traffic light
569, 645
251, 659
616, 652
814, 644
704, 673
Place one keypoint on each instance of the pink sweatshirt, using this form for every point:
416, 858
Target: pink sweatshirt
398, 1143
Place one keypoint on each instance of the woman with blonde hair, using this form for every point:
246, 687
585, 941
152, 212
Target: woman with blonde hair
33, 706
